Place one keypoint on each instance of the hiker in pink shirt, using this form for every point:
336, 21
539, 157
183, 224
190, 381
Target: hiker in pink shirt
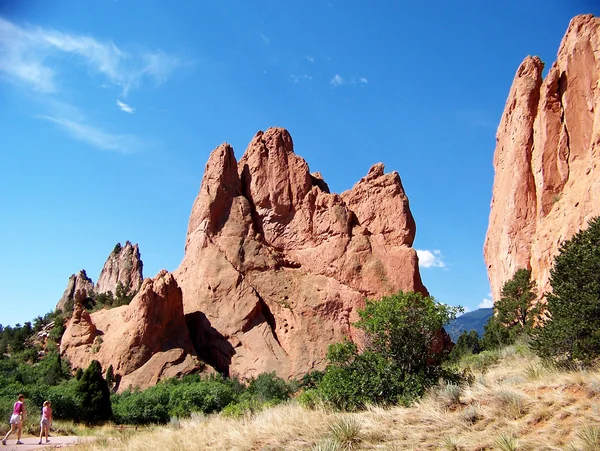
46, 421
16, 420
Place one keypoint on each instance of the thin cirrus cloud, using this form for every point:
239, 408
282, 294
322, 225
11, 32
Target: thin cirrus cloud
124, 107
39, 59
430, 259
25, 53
337, 80
96, 137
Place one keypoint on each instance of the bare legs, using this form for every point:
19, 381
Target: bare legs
13, 426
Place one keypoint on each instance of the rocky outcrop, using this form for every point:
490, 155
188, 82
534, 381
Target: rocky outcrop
79, 284
145, 341
547, 183
275, 265
123, 266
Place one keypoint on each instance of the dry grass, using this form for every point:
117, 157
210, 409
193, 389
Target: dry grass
515, 403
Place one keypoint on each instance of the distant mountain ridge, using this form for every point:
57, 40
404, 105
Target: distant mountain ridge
474, 320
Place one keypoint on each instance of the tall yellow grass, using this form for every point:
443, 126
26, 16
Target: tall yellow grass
516, 403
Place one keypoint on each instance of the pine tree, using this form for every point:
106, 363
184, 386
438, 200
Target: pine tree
95, 395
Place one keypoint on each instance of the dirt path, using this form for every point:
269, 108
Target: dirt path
31, 443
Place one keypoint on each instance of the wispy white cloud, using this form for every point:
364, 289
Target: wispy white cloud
35, 56
96, 137
124, 107
487, 302
298, 78
337, 80
265, 39
41, 59
430, 259
310, 59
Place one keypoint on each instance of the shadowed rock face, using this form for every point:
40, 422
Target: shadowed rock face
79, 285
275, 265
547, 183
145, 341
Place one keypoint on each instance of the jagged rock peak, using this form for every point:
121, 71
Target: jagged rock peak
124, 266
145, 341
547, 159
79, 284
275, 265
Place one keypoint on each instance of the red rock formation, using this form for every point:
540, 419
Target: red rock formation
145, 341
78, 283
124, 266
547, 183
275, 265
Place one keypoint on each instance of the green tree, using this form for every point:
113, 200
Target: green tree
402, 355
110, 377
516, 310
572, 332
467, 343
95, 395
495, 335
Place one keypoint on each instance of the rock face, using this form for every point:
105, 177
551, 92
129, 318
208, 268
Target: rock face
275, 265
145, 341
124, 266
79, 284
547, 183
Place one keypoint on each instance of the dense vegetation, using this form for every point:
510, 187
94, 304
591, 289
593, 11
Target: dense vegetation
401, 354
571, 334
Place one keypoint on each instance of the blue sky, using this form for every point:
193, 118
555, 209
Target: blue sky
110, 109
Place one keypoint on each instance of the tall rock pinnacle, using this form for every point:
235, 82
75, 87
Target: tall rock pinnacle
547, 183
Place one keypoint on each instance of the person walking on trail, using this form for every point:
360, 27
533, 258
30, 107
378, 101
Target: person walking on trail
46, 421
16, 420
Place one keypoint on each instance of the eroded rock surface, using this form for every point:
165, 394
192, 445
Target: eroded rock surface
123, 266
79, 284
275, 265
144, 341
547, 183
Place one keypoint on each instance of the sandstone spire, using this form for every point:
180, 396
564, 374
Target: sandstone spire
275, 265
547, 183
124, 266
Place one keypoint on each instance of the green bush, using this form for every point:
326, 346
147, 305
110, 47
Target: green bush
269, 387
309, 398
571, 335
142, 407
399, 361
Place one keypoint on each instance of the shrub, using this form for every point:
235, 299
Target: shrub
269, 387
346, 431
203, 396
398, 362
571, 334
142, 407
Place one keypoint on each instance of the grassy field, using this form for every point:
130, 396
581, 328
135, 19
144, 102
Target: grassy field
513, 403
